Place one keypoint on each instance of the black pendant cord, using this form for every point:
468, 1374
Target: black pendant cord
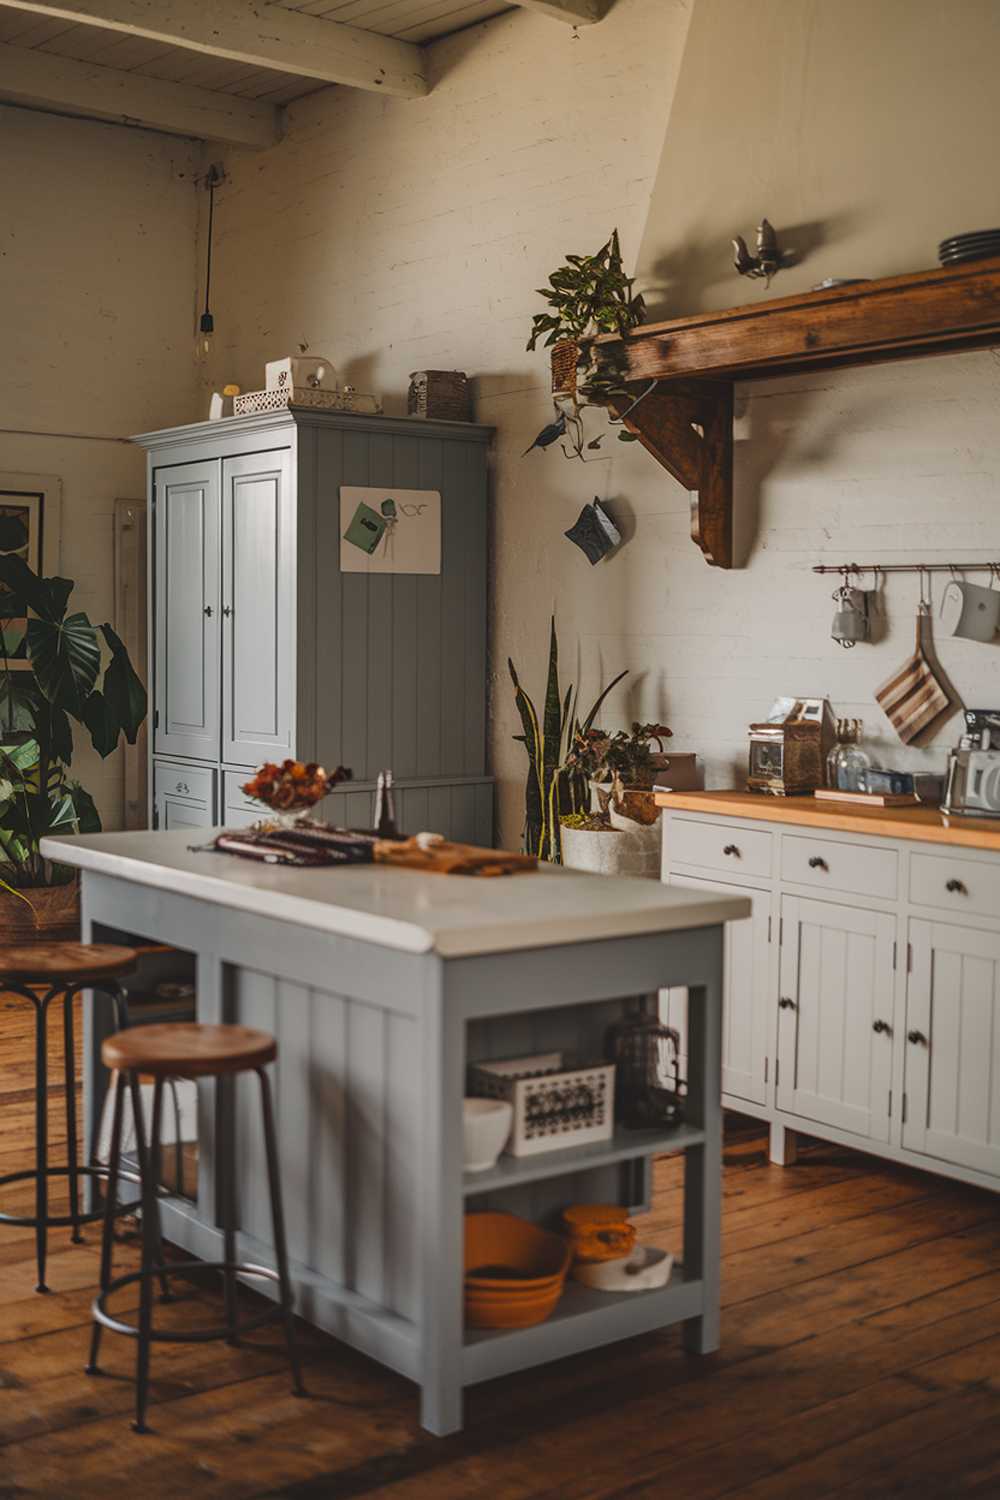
207, 321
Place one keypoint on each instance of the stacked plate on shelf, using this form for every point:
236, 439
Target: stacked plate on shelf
981, 244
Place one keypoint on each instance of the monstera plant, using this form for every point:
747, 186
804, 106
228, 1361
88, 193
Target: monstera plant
57, 670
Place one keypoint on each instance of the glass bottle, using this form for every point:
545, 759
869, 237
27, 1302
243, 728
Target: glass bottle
847, 765
385, 807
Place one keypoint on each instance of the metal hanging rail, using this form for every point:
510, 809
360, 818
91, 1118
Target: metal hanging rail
940, 567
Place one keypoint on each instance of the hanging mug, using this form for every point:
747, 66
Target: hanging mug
851, 623
969, 611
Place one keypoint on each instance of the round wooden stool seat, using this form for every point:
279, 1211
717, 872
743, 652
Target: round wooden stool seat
188, 1050
73, 962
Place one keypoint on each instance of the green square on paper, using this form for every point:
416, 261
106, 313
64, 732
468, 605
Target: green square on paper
366, 529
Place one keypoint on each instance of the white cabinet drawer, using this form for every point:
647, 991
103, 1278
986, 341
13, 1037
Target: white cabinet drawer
730, 848
955, 885
192, 783
856, 869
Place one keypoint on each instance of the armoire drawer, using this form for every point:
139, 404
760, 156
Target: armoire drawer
955, 885
729, 848
193, 783
855, 869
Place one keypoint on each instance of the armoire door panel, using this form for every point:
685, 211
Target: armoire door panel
952, 1073
186, 584
836, 982
258, 668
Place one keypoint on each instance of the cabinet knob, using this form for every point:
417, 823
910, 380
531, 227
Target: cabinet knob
208, 610
956, 887
881, 1026
732, 849
227, 610
182, 786
917, 1038
785, 1004
818, 863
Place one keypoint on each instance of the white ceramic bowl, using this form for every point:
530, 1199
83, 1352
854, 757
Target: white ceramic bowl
644, 1269
486, 1125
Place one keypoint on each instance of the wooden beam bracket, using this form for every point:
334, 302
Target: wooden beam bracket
688, 428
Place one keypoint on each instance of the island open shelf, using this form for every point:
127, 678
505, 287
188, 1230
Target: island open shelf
380, 987
624, 1145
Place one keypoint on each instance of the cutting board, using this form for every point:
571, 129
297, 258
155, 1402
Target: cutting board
913, 698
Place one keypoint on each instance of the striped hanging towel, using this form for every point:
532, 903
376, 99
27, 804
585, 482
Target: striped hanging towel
913, 697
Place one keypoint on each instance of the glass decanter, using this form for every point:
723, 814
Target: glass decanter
847, 764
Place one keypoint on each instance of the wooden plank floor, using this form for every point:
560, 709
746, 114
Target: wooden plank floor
860, 1359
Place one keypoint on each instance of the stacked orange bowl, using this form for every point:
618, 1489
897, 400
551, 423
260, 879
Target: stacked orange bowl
514, 1272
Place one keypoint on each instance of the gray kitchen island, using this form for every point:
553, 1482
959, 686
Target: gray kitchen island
381, 985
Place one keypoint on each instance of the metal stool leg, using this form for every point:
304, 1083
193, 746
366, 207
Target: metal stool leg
227, 1162
278, 1222
72, 1149
143, 1159
110, 1203
41, 1137
151, 1256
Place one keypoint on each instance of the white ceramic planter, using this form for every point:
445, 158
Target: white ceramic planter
611, 851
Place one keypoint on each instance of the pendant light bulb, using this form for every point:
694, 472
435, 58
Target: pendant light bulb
206, 335
206, 324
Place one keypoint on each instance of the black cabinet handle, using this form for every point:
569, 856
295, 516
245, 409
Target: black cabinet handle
208, 610
732, 849
956, 887
785, 1004
227, 610
818, 863
182, 786
881, 1026
917, 1038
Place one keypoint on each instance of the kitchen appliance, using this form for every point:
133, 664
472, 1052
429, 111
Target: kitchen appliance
788, 751
973, 788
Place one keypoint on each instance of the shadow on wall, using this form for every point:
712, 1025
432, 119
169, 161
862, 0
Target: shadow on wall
682, 278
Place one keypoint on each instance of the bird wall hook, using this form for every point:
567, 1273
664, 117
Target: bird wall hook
768, 259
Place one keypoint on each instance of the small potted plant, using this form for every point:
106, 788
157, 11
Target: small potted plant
587, 296
621, 834
626, 758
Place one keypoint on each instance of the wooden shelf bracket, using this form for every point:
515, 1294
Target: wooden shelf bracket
688, 428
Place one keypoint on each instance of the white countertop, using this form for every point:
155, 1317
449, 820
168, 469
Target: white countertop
452, 915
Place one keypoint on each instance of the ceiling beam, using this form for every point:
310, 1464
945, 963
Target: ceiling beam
575, 12
258, 34
41, 80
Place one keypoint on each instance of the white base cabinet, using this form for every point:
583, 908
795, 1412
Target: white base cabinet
862, 998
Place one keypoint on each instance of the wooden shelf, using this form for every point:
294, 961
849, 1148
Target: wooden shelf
687, 422
624, 1145
583, 1319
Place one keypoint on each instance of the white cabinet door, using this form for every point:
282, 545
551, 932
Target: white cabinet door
952, 1075
745, 995
186, 654
835, 1015
258, 662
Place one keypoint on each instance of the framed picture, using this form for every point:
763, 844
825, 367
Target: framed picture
29, 529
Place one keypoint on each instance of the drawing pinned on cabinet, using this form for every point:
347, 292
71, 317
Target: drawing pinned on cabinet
389, 531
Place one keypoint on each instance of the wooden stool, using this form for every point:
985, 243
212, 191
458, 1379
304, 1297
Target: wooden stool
40, 973
188, 1050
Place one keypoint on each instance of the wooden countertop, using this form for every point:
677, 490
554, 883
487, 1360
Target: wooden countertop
927, 825
453, 915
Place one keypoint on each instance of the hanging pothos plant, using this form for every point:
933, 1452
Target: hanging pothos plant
552, 788
67, 683
588, 296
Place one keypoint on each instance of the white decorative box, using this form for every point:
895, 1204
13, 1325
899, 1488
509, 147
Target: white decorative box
299, 370
555, 1105
252, 403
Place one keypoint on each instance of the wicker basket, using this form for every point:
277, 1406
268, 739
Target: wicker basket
442, 395
53, 915
565, 355
555, 1105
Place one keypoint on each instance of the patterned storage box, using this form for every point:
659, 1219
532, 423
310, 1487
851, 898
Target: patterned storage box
555, 1105
252, 403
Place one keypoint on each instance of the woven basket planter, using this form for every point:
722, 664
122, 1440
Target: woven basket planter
441, 395
564, 358
53, 915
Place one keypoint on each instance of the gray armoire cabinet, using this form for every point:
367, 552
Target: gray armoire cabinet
262, 648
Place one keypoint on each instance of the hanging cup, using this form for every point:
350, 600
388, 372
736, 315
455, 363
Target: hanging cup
969, 611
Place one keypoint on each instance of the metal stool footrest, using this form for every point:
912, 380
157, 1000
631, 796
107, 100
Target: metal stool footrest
64, 1221
193, 1335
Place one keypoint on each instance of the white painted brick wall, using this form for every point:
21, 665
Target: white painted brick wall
394, 235
97, 297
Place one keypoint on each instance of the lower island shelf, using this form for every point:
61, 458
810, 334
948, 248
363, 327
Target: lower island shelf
624, 1145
